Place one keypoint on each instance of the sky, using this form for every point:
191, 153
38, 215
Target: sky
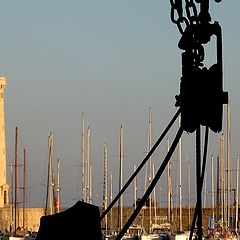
110, 60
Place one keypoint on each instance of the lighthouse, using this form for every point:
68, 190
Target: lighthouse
4, 187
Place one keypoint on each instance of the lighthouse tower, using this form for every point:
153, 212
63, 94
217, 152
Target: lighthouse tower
4, 187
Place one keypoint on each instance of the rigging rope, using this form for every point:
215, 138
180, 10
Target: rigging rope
201, 180
141, 165
152, 185
195, 109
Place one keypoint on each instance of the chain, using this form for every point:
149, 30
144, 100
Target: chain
191, 11
176, 7
192, 17
177, 16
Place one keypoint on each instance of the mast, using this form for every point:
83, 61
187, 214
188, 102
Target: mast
180, 180
90, 185
24, 187
222, 166
150, 161
120, 202
149, 171
213, 200
168, 178
16, 181
12, 192
229, 164
135, 187
48, 178
88, 165
83, 163
218, 190
105, 185
205, 191
169, 185
237, 190
58, 186
111, 198
51, 178
189, 193
154, 195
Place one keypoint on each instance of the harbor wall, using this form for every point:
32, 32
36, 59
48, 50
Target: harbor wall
33, 215
32, 218
143, 218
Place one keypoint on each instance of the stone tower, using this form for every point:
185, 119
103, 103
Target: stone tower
4, 187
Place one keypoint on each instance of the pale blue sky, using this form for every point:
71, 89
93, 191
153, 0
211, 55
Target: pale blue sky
112, 60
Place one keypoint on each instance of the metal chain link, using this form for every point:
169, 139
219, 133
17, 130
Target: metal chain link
176, 7
177, 15
191, 11
192, 17
183, 22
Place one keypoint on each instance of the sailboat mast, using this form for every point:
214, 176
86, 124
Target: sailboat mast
213, 199
180, 180
88, 165
205, 191
154, 195
169, 185
218, 200
83, 163
24, 187
111, 198
16, 181
149, 169
135, 187
12, 192
189, 193
51, 178
237, 190
105, 185
90, 185
228, 164
121, 173
222, 165
58, 186
168, 180
120, 203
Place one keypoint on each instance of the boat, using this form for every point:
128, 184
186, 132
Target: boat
157, 232
156, 236
125, 237
16, 238
151, 236
184, 235
109, 237
20, 238
128, 237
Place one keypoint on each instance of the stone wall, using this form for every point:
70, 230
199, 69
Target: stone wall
143, 218
33, 216
32, 220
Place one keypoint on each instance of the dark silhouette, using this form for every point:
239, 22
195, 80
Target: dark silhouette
201, 95
82, 221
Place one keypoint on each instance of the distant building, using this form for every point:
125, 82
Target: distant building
4, 187
32, 215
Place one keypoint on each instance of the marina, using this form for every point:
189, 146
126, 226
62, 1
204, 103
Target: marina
98, 142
